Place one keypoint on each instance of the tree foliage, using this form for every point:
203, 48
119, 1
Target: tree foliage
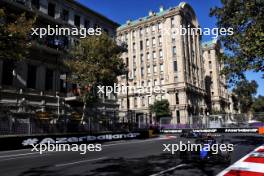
14, 34
245, 92
258, 105
95, 61
160, 108
245, 46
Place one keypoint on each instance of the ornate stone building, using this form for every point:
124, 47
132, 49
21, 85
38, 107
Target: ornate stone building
218, 98
157, 56
38, 83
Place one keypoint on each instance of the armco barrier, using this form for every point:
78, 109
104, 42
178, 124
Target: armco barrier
20, 142
215, 130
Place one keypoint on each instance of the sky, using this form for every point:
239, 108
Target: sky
122, 10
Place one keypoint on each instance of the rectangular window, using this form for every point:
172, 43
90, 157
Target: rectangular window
174, 51
65, 15
162, 81
148, 69
155, 68
153, 41
135, 102
134, 47
210, 65
141, 45
133, 34
7, 77
160, 40
134, 61
147, 42
148, 56
172, 22
143, 101
147, 30
49, 80
175, 67
31, 78
51, 9
178, 116
159, 26
161, 68
153, 28
141, 32
160, 54
155, 82
142, 71
141, 58
154, 55
177, 98
127, 62
77, 20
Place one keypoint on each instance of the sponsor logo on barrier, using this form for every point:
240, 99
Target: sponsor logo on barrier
32, 141
171, 131
213, 130
239, 130
205, 131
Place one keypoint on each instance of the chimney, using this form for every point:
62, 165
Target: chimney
161, 9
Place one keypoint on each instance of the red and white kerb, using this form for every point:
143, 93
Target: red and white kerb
250, 165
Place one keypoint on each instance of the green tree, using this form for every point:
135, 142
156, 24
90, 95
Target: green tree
94, 62
258, 108
245, 46
15, 34
245, 92
160, 108
258, 105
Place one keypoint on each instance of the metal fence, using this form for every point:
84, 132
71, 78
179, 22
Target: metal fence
30, 124
218, 121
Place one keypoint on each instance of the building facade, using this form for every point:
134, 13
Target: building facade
218, 98
38, 83
157, 56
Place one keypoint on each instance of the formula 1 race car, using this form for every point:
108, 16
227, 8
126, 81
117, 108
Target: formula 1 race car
208, 150
190, 134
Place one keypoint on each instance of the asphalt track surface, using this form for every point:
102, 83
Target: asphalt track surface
123, 158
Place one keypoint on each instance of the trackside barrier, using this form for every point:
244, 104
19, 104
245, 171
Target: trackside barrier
259, 130
250, 165
20, 142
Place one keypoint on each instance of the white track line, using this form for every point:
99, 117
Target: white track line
168, 170
15, 155
78, 162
